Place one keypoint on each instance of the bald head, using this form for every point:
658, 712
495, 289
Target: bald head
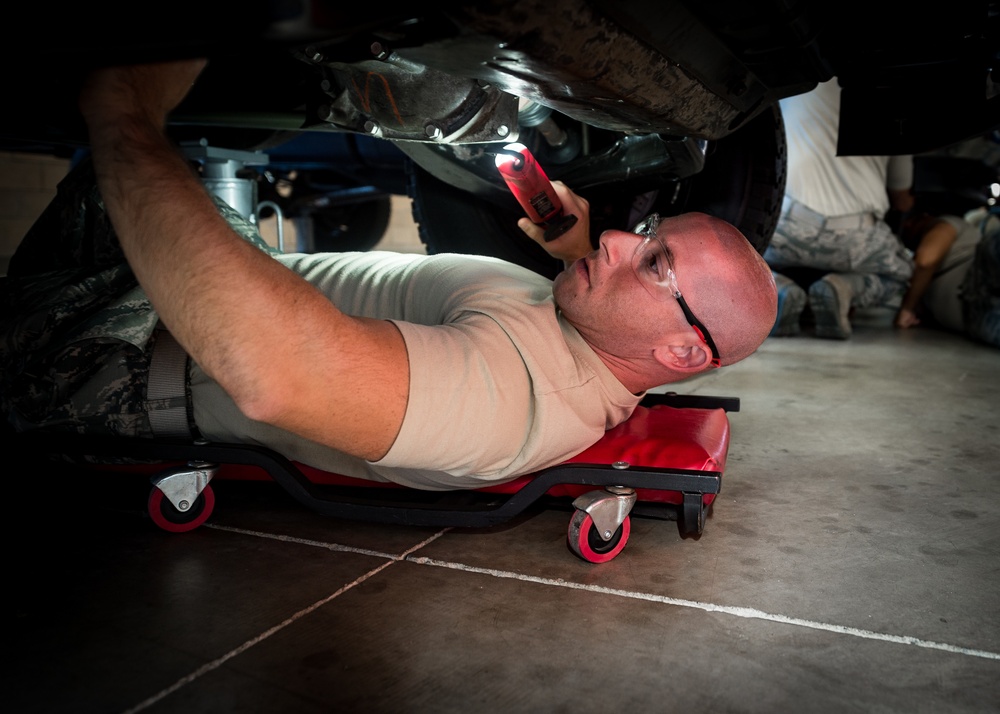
728, 286
633, 323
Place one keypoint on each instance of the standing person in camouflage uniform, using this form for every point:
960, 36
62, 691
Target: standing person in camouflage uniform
832, 236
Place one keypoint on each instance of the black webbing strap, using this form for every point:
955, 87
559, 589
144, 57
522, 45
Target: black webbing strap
166, 388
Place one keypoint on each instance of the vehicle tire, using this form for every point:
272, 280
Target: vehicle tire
743, 180
354, 226
450, 220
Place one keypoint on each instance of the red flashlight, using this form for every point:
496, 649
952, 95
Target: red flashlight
532, 189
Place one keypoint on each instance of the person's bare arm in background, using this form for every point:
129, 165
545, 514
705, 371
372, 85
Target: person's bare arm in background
930, 254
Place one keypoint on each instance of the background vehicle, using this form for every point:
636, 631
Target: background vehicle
638, 104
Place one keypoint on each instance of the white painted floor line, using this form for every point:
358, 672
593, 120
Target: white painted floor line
314, 543
216, 663
745, 612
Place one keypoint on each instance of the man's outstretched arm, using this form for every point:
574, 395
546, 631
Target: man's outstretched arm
275, 344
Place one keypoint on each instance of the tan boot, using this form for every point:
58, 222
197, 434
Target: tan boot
830, 300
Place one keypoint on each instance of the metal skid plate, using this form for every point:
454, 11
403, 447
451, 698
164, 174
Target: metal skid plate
394, 99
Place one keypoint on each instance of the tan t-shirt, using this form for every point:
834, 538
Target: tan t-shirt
500, 383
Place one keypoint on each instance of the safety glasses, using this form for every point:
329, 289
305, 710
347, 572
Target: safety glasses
653, 265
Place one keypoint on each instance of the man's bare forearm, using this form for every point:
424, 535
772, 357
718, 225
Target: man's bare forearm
273, 342
173, 238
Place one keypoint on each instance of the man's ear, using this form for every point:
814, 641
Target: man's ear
683, 358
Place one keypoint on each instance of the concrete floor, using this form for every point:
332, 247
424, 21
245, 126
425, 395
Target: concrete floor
850, 564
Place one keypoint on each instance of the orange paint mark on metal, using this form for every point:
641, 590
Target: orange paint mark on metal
365, 95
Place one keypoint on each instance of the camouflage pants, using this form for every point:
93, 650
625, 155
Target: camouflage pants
76, 330
868, 254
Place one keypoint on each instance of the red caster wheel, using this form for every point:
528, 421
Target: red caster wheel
586, 542
167, 517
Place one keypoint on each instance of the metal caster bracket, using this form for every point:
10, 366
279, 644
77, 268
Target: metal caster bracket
608, 508
182, 486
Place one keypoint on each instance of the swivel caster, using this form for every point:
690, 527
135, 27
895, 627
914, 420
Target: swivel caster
600, 527
692, 517
181, 499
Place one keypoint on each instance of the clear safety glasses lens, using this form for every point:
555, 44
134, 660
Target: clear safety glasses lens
653, 265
